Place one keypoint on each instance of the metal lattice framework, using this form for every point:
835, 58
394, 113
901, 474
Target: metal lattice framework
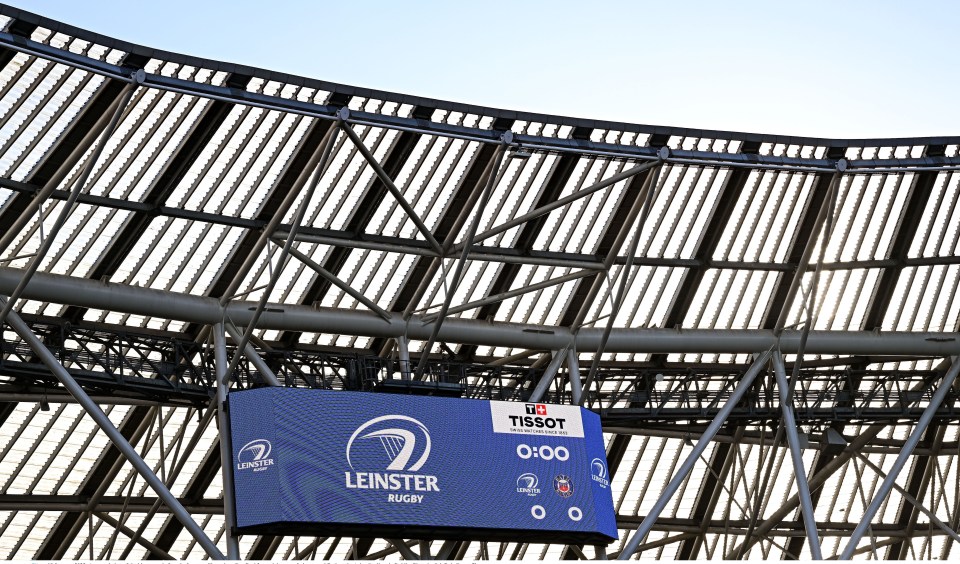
767, 325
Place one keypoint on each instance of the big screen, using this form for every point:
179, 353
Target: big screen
323, 462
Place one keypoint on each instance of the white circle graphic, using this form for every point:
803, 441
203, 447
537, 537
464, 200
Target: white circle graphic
538, 512
524, 451
574, 513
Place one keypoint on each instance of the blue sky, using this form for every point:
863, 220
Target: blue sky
828, 69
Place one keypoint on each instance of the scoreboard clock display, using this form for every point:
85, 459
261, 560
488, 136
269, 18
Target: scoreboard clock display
366, 464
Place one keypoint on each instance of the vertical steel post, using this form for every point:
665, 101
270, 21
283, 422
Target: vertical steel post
404, 349
117, 438
793, 440
694, 455
226, 450
905, 452
573, 366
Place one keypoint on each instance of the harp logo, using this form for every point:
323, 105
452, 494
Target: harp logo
599, 472
384, 454
255, 455
527, 484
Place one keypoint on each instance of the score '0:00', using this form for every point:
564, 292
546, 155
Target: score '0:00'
543, 452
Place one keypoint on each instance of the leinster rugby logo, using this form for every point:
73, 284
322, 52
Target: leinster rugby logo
527, 484
563, 485
398, 435
395, 443
599, 472
255, 455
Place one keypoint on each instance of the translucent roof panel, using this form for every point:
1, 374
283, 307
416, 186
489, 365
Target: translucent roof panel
357, 240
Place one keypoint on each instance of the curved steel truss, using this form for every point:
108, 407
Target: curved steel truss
767, 325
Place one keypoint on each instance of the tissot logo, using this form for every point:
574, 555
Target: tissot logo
255, 455
397, 444
536, 409
527, 484
536, 419
599, 472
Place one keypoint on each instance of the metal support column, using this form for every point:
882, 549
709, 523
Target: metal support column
908, 446
793, 440
226, 449
117, 438
544, 384
573, 366
647, 524
404, 350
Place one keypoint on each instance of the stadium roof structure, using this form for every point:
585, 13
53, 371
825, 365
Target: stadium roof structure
766, 324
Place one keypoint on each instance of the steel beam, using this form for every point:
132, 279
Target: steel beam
714, 225
102, 421
914, 502
624, 275
462, 261
645, 527
61, 159
253, 357
333, 279
278, 202
506, 226
448, 226
285, 251
199, 309
544, 384
799, 472
512, 293
881, 494
133, 535
403, 349
343, 115
573, 368
552, 187
364, 210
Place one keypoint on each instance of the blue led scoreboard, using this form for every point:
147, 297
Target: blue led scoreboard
366, 464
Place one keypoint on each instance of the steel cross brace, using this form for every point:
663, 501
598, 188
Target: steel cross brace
803, 487
287, 246
92, 409
911, 443
78, 186
342, 116
624, 275
631, 547
461, 262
